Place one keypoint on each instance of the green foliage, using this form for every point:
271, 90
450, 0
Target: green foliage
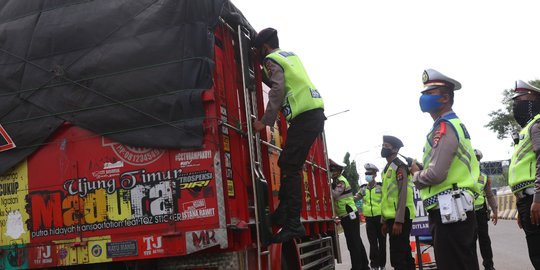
502, 120
350, 173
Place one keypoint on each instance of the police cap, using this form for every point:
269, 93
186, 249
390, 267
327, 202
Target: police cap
263, 36
395, 142
523, 88
370, 167
335, 166
433, 79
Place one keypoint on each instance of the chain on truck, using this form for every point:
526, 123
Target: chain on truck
128, 142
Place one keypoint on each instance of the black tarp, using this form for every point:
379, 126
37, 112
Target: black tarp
131, 70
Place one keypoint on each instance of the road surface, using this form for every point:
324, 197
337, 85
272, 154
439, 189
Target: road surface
508, 244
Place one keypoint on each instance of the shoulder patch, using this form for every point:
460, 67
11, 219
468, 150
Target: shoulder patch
399, 175
438, 133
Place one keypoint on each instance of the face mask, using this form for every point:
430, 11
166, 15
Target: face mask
369, 178
429, 103
525, 110
386, 152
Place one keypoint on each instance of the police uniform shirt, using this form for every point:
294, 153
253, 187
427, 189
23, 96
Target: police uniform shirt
402, 185
362, 191
444, 148
276, 95
535, 139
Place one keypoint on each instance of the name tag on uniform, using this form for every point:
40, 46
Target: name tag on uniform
352, 215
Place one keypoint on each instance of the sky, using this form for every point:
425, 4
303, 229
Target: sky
368, 57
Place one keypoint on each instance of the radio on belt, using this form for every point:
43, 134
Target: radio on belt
454, 206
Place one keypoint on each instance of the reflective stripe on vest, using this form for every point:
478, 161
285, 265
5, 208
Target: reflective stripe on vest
390, 193
464, 169
300, 93
522, 170
371, 205
341, 203
479, 201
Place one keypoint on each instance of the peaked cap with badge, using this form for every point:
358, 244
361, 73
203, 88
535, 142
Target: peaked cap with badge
394, 141
523, 88
433, 79
370, 167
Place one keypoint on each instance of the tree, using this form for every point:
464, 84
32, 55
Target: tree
350, 173
502, 120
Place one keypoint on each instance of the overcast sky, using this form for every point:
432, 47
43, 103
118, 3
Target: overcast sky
368, 57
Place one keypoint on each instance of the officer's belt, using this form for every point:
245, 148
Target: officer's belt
522, 185
345, 194
435, 198
524, 193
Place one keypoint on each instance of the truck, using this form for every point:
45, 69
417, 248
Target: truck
126, 142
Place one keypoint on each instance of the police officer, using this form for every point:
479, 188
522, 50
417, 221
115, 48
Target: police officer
397, 204
524, 173
482, 215
371, 194
348, 215
449, 162
294, 94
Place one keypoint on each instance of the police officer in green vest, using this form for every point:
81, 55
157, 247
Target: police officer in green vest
524, 172
371, 196
449, 176
397, 205
292, 93
482, 215
348, 216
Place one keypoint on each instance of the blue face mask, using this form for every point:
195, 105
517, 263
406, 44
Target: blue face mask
429, 103
369, 178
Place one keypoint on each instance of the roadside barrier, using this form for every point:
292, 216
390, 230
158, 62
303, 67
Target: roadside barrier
507, 206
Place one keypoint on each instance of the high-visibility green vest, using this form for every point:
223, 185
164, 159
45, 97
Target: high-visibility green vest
464, 169
300, 93
390, 192
479, 201
371, 202
522, 170
345, 199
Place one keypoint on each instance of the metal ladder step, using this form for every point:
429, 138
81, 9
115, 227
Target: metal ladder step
315, 252
318, 262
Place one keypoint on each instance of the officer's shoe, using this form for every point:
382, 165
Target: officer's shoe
288, 232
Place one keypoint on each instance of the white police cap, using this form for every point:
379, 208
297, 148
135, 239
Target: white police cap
370, 167
336, 164
433, 79
523, 88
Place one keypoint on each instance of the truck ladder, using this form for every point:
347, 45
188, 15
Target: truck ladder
316, 254
260, 190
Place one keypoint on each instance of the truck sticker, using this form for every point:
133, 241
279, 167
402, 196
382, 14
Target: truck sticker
134, 198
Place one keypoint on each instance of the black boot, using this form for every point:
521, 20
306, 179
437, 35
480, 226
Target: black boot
292, 229
290, 191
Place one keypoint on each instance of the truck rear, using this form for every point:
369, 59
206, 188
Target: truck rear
168, 190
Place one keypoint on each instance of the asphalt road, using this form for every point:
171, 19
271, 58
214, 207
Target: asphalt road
508, 244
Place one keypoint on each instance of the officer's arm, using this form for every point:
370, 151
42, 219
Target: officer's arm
490, 197
338, 190
276, 94
535, 138
445, 144
401, 177
358, 196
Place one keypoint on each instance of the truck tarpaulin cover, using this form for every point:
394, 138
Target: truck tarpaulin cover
131, 70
